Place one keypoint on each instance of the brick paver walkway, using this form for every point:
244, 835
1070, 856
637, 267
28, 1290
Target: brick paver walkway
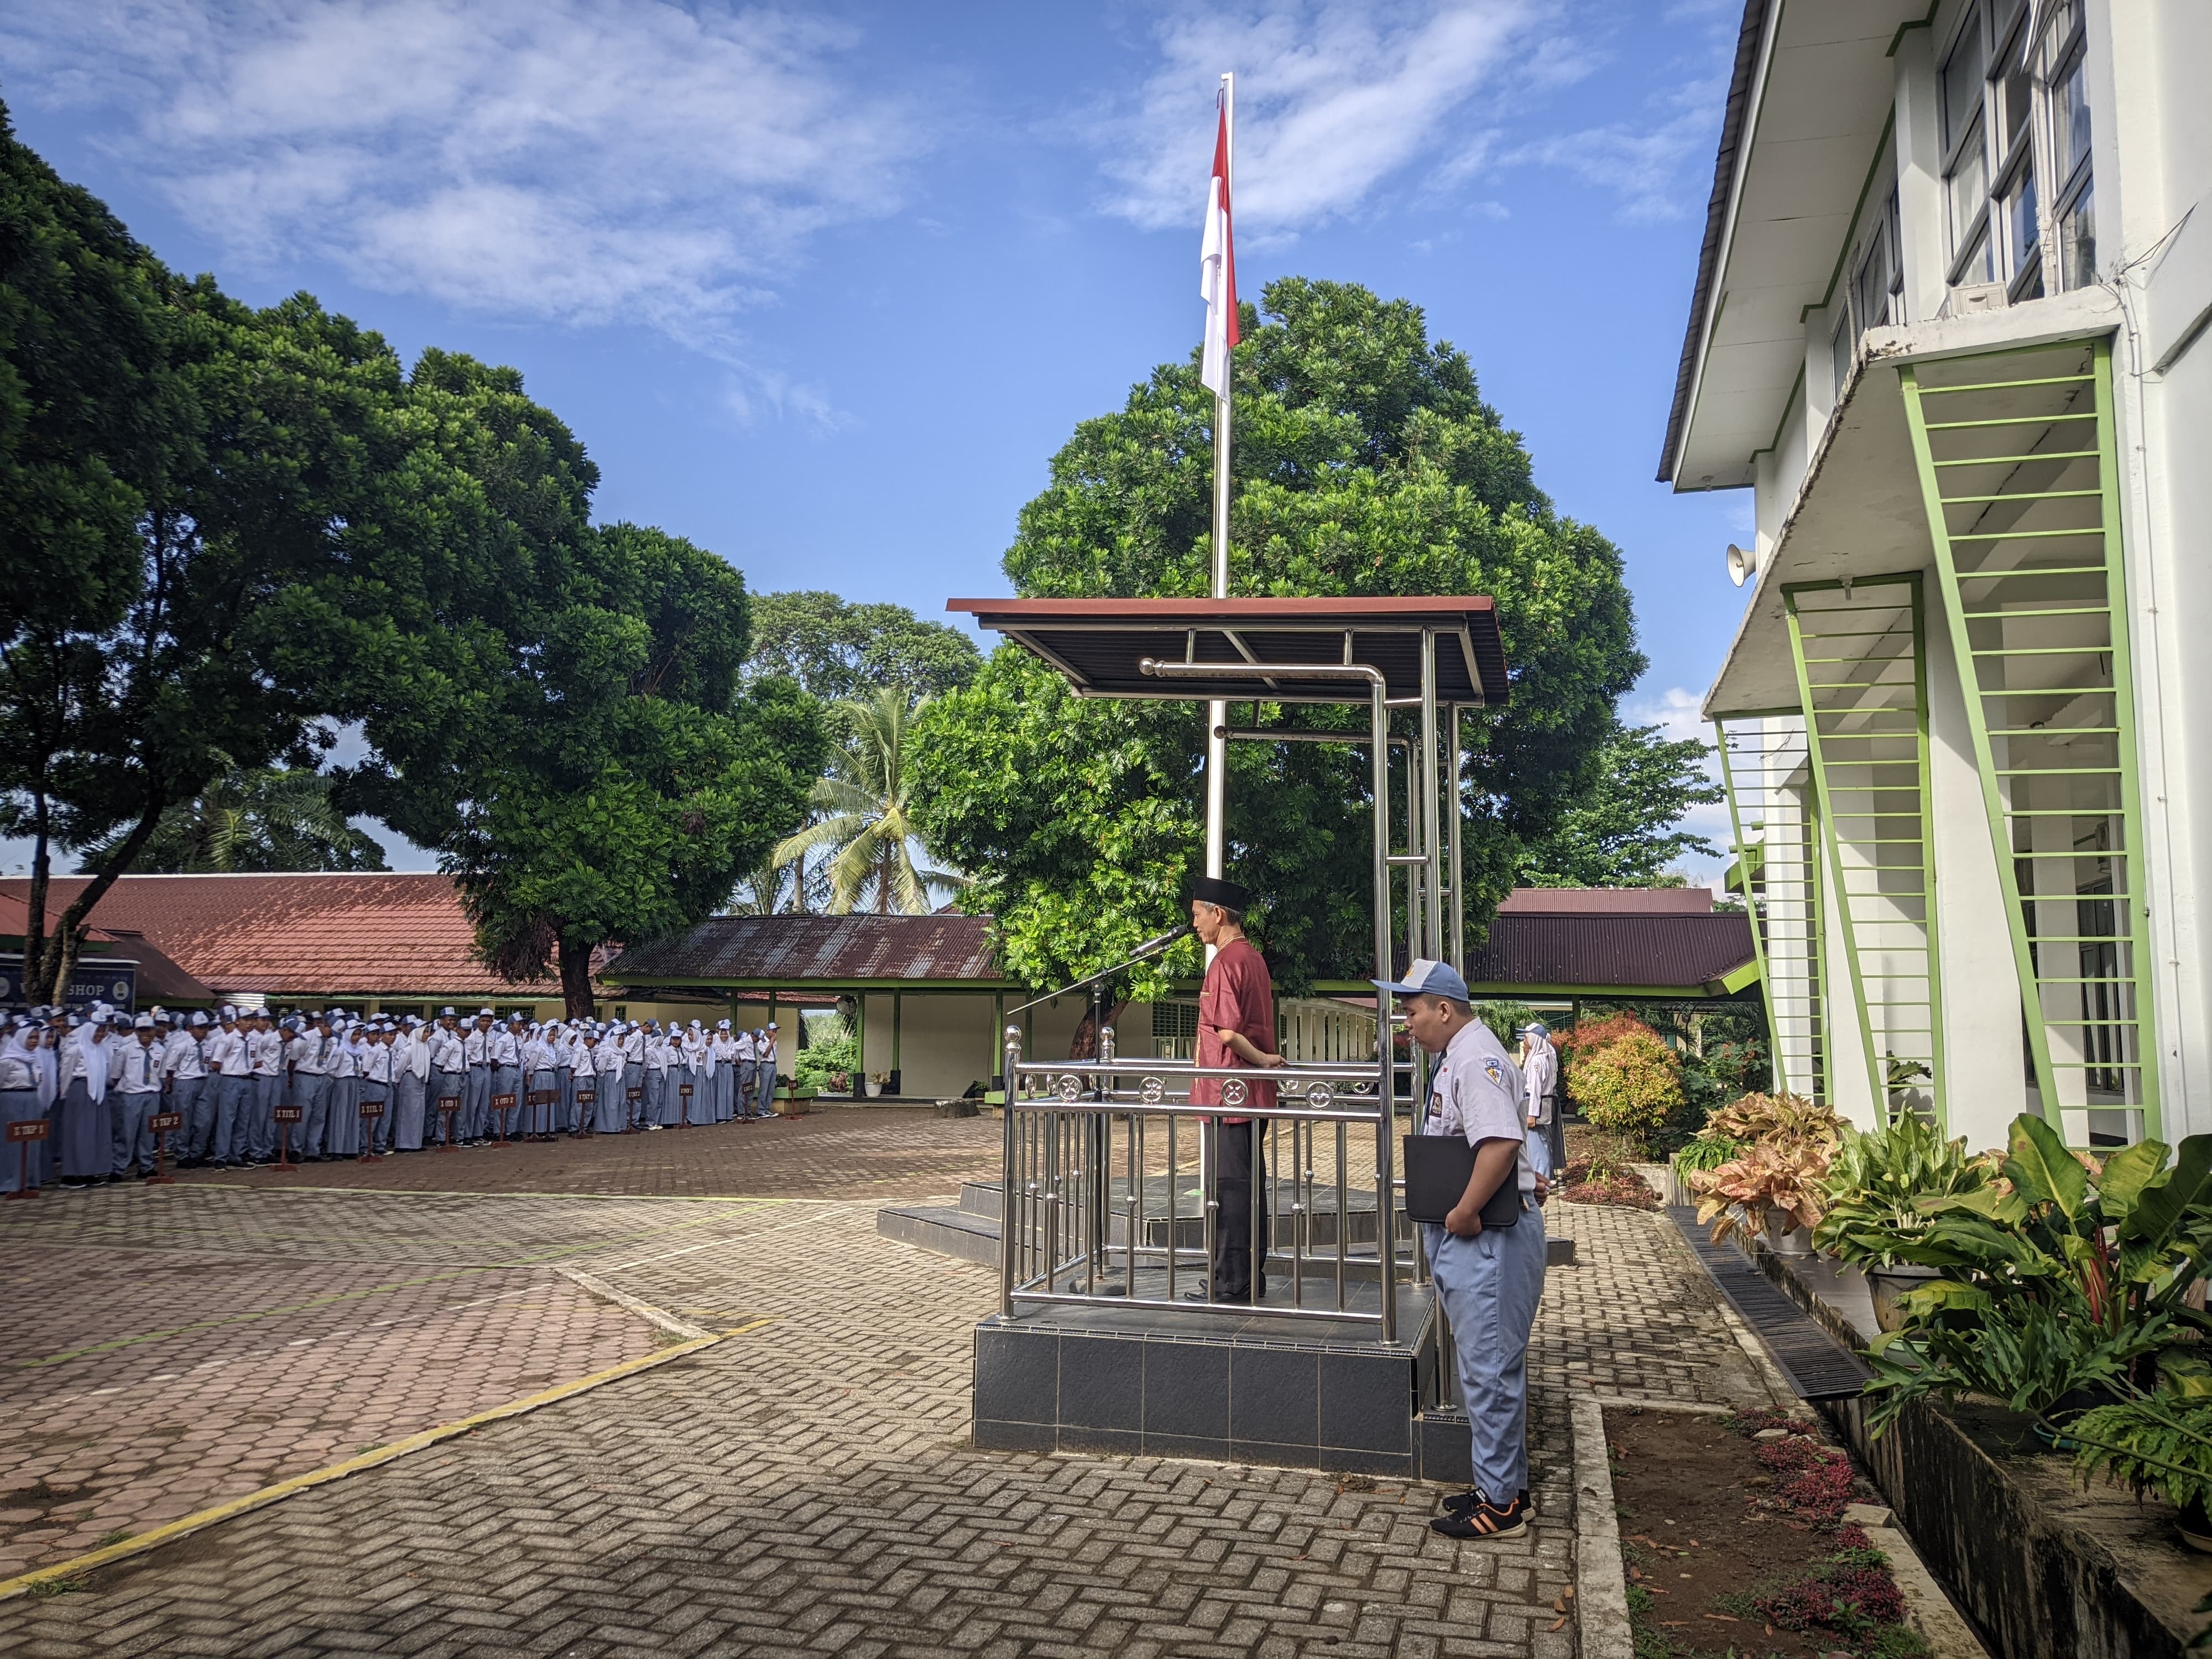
879, 1153
808, 1488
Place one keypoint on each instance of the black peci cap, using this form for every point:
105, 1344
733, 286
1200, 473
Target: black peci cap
1226, 894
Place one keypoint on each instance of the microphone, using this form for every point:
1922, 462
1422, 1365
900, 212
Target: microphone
1162, 942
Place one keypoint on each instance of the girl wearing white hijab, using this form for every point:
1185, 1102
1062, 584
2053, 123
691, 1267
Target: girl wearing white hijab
20, 1077
88, 1137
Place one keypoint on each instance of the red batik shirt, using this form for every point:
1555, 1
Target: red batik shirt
1237, 996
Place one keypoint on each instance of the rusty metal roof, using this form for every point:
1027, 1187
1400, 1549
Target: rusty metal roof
1099, 643
794, 951
1561, 950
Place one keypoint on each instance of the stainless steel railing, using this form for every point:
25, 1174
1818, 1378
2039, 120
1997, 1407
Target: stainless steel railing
1107, 1196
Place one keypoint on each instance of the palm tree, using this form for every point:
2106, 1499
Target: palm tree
864, 827
259, 819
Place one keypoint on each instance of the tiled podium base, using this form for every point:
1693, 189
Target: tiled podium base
1247, 1388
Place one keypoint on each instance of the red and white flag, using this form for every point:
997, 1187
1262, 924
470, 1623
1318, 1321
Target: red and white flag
1216, 269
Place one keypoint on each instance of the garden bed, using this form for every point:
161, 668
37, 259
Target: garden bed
1734, 1545
1623, 1187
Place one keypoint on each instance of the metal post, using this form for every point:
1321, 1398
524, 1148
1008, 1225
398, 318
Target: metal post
1011, 1216
1431, 846
1217, 712
1458, 851
1378, 725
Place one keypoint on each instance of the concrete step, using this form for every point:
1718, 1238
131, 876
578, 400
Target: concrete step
943, 1229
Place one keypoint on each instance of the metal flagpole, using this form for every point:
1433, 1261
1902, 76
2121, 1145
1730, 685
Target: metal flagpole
1217, 712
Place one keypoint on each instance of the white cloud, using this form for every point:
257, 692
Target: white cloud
582, 162
1674, 711
1332, 99
1643, 163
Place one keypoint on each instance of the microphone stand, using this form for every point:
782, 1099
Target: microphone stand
1095, 1132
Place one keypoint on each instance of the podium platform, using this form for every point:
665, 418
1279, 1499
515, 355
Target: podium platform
1235, 1388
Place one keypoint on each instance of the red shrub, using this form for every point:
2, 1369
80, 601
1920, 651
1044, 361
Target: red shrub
1811, 1480
1837, 1600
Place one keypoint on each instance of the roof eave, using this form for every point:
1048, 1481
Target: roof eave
1749, 34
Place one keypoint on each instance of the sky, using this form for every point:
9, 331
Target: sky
823, 289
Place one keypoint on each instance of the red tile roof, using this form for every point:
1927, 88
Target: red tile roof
795, 950
383, 935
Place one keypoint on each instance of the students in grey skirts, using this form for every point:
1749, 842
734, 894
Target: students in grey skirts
87, 1141
183, 1069
375, 1064
136, 1073
566, 1042
722, 1052
341, 1138
21, 1099
449, 1078
615, 1071
410, 1084
631, 1045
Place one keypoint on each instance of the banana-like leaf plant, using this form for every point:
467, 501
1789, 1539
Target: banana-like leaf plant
2064, 1275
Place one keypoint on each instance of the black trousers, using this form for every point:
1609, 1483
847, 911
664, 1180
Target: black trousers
1238, 1167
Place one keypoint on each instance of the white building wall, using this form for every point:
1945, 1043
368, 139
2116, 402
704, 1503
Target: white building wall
1985, 1061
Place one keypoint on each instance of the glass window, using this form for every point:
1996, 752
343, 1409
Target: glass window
2022, 231
1841, 346
1962, 83
2077, 241
2070, 118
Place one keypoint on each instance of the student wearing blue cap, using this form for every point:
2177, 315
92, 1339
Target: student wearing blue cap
1489, 1279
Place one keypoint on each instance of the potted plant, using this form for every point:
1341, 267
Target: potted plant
2158, 1442
2062, 1283
1877, 1200
1771, 1187
876, 1082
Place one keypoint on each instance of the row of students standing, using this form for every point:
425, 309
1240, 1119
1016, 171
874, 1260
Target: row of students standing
382, 1085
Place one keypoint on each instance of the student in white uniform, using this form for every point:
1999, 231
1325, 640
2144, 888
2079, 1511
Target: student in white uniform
233, 1068
1539, 1075
136, 1075
184, 1065
615, 1071
311, 1089
1489, 1279
449, 1079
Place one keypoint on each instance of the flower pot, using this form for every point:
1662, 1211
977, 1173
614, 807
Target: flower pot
1886, 1284
875, 1089
1794, 1242
2195, 1526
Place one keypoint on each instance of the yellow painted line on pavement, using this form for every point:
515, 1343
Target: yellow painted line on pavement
185, 1525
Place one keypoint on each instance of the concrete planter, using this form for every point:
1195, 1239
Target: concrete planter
1886, 1284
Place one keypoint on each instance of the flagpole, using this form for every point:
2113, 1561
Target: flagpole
1217, 712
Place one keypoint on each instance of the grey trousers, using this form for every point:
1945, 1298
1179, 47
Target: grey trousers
234, 1104
475, 1103
193, 1097
1490, 1285
133, 1141
311, 1093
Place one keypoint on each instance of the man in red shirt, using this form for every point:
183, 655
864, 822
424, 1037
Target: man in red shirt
1235, 1028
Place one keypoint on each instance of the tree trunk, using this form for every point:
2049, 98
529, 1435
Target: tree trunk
576, 979
1084, 1045
58, 960
34, 929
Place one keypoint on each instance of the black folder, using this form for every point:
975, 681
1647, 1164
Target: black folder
1437, 1170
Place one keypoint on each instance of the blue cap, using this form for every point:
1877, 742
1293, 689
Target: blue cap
1427, 978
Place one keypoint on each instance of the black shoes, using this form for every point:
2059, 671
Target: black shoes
1483, 1519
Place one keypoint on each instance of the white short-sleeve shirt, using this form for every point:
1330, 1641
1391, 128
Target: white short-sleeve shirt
1477, 1092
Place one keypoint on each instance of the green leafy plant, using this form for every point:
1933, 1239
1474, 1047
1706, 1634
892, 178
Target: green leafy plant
1768, 1180
2062, 1275
1880, 1184
1708, 1152
2161, 1441
1629, 1086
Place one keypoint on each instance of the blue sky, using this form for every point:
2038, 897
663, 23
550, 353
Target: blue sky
824, 288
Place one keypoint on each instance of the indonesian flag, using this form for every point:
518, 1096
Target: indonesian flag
1217, 271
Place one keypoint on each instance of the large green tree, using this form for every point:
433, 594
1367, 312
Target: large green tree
579, 747
1624, 829
1366, 463
864, 825
839, 650
188, 522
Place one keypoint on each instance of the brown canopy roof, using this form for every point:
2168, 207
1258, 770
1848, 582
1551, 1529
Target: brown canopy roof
1098, 643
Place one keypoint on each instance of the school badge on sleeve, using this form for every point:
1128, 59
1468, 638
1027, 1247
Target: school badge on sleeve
1495, 1069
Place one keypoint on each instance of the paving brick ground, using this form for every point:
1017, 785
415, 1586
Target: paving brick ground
881, 1153
808, 1487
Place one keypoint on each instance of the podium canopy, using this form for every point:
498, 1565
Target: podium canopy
1101, 645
